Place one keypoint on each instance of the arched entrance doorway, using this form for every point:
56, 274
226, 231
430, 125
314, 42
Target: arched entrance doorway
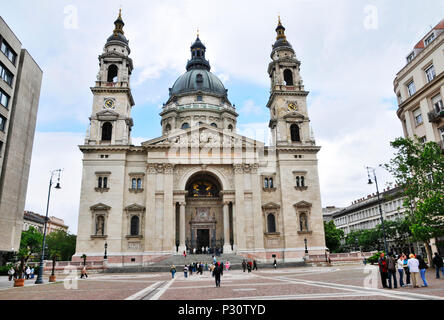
204, 216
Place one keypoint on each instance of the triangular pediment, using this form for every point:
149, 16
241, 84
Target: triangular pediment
135, 207
271, 205
294, 115
303, 204
107, 113
100, 207
203, 136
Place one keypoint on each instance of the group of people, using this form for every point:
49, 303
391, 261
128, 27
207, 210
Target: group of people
13, 273
250, 265
216, 268
412, 267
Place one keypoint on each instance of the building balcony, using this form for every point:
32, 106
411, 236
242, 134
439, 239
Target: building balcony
122, 84
436, 116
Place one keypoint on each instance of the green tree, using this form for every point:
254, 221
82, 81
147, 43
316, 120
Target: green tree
61, 244
30, 243
333, 236
419, 170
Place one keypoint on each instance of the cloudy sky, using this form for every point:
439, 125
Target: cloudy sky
350, 53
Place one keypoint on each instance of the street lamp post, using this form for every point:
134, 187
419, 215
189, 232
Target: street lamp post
379, 204
306, 249
53, 173
106, 247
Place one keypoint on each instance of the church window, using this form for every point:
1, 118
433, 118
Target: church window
199, 98
135, 226
271, 183
139, 183
107, 130
298, 181
112, 73
230, 127
199, 78
295, 135
288, 77
302, 181
134, 184
168, 127
271, 223
185, 126
266, 183
105, 183
100, 183
214, 125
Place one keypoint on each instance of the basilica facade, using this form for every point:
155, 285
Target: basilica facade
200, 185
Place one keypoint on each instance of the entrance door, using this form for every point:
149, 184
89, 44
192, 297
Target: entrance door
203, 238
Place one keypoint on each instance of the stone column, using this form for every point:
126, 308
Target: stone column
182, 245
227, 246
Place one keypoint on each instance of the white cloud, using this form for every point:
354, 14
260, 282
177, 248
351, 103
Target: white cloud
250, 108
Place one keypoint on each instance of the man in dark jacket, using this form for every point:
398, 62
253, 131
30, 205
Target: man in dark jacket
391, 270
217, 272
437, 261
382, 262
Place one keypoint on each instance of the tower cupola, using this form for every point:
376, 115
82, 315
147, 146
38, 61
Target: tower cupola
198, 60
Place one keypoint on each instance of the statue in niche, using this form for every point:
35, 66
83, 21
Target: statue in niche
303, 222
100, 226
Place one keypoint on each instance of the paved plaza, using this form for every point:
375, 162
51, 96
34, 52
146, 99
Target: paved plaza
351, 282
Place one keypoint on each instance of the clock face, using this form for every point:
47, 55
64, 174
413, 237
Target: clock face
110, 104
292, 106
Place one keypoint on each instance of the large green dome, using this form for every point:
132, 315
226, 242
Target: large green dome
198, 80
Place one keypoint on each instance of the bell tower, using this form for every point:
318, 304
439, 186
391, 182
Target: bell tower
289, 122
110, 121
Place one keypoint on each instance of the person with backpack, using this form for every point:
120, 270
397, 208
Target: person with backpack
244, 265
422, 270
185, 271
173, 271
437, 261
391, 271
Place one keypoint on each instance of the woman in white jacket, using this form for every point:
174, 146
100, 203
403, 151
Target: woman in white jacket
413, 265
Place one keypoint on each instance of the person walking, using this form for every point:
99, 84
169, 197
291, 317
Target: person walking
227, 265
275, 263
437, 261
249, 266
382, 263
413, 265
254, 265
173, 271
11, 273
391, 271
217, 272
83, 273
32, 273
185, 271
244, 265
406, 269
212, 269
185, 254
422, 270
400, 267
28, 272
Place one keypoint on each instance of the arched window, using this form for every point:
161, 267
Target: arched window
298, 182
134, 183
302, 181
99, 185
185, 126
288, 77
271, 183
199, 80
139, 183
230, 127
112, 73
135, 226
168, 127
214, 125
295, 135
107, 131
266, 183
271, 223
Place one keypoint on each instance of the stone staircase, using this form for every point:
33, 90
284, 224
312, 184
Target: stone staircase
179, 261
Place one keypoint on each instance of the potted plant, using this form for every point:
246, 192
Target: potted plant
30, 243
55, 256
